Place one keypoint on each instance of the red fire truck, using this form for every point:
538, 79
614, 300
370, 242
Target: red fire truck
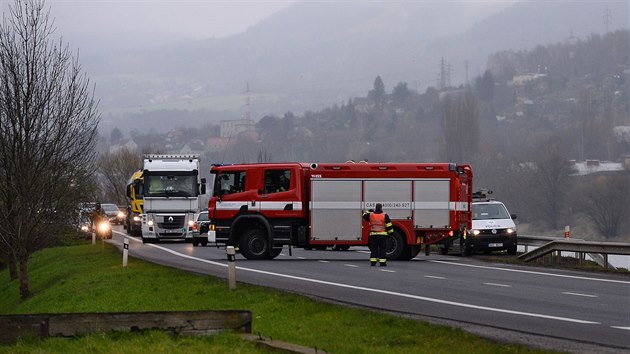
263, 207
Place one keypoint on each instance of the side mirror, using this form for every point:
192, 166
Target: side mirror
203, 186
513, 216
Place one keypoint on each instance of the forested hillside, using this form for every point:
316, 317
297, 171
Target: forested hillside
519, 125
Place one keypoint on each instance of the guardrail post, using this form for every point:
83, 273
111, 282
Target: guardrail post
125, 251
93, 238
231, 255
567, 231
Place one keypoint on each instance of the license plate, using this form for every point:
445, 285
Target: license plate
172, 231
495, 245
212, 236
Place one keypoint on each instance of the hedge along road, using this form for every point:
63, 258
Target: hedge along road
562, 309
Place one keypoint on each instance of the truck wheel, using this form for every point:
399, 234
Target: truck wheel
204, 243
341, 247
274, 252
254, 244
409, 252
395, 245
195, 243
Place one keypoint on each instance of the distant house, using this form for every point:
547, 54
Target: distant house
232, 128
216, 143
195, 146
520, 80
588, 167
128, 144
622, 133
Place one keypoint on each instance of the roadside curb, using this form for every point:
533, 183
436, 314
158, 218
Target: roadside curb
276, 345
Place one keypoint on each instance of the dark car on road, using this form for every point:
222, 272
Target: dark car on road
200, 229
111, 210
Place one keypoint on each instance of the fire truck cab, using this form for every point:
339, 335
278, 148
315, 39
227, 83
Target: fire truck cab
263, 207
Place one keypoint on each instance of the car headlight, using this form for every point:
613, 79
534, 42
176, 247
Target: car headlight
476, 232
150, 222
191, 223
509, 231
136, 218
103, 227
84, 228
121, 215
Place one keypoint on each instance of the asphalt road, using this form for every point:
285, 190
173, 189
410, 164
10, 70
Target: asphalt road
546, 308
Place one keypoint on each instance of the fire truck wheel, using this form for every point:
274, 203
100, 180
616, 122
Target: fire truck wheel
195, 243
274, 252
254, 244
444, 249
395, 245
409, 252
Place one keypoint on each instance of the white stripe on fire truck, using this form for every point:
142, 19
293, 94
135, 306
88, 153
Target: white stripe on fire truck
258, 205
279, 205
336, 205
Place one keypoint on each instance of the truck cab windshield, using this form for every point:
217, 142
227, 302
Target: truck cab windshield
170, 186
229, 182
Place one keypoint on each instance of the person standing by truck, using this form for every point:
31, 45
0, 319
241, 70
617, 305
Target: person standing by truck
380, 227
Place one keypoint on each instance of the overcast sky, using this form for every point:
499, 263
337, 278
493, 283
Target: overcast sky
79, 21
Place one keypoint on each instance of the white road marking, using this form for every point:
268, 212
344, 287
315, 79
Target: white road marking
433, 277
322, 261
379, 291
367, 252
501, 285
624, 328
532, 272
351, 265
301, 257
578, 294
388, 271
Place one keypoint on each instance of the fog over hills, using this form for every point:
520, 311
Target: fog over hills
314, 54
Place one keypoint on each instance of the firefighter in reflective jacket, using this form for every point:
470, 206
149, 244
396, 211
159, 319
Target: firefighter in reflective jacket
380, 227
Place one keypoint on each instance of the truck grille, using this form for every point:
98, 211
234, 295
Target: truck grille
171, 222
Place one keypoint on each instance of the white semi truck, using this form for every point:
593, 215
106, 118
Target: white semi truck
172, 187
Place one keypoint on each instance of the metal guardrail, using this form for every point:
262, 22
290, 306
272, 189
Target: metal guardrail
599, 251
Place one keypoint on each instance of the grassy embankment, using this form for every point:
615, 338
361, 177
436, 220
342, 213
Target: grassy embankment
86, 278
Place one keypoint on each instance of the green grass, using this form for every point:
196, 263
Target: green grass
88, 278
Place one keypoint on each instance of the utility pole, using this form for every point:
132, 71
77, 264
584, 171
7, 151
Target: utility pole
466, 67
607, 19
442, 83
248, 113
449, 71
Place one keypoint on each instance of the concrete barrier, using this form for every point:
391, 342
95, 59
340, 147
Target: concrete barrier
196, 323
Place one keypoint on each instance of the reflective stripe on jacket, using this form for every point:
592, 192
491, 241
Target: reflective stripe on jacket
377, 224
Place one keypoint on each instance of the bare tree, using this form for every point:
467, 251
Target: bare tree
48, 122
115, 170
460, 126
547, 181
604, 200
